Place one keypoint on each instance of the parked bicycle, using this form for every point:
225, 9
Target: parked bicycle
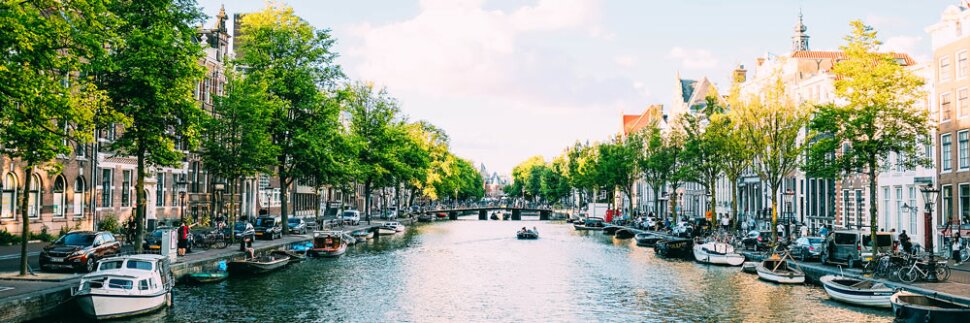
918, 269
964, 253
214, 238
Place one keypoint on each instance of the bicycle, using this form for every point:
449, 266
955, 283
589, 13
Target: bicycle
917, 270
212, 238
964, 254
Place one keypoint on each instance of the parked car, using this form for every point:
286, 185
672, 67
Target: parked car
296, 225
267, 227
154, 240
853, 247
351, 217
806, 248
241, 230
757, 240
79, 250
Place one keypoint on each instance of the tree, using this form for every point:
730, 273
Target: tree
661, 164
704, 151
618, 162
373, 117
47, 100
877, 121
296, 62
236, 141
772, 127
736, 154
434, 143
524, 183
151, 79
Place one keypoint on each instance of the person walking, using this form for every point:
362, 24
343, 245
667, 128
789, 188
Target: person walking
183, 238
804, 230
955, 247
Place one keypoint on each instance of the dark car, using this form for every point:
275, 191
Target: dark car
79, 250
242, 229
267, 227
806, 248
296, 225
153, 241
757, 240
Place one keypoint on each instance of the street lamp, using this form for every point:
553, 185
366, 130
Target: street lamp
180, 187
663, 201
219, 187
929, 196
789, 199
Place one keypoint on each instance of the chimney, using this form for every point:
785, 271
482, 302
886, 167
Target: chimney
761, 60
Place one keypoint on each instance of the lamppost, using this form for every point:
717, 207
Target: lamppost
219, 187
929, 196
663, 201
180, 187
789, 199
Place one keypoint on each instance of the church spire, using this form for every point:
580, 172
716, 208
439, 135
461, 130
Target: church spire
800, 38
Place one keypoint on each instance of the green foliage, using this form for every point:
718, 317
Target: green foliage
43, 235
7, 238
662, 164
109, 223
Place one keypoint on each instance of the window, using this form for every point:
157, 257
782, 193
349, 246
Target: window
160, 189
33, 197
106, 188
945, 68
963, 107
962, 64
60, 199
79, 189
964, 200
962, 146
912, 215
947, 213
946, 154
885, 206
946, 109
9, 198
899, 206
126, 188
143, 284
119, 283
141, 265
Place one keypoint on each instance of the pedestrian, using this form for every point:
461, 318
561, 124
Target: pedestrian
804, 231
183, 238
781, 230
904, 241
955, 246
744, 226
824, 232
725, 222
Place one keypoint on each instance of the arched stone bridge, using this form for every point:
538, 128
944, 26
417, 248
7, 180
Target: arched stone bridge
544, 214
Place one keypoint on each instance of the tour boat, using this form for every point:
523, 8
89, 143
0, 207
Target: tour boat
646, 239
624, 234
910, 307
857, 291
750, 267
717, 253
396, 226
258, 265
126, 286
528, 234
776, 269
674, 247
328, 244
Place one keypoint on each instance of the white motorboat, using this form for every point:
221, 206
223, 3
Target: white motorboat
396, 226
126, 286
717, 253
857, 291
776, 269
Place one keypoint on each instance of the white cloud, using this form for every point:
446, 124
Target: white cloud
625, 60
880, 21
901, 44
693, 58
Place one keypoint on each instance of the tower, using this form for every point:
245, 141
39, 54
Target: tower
799, 41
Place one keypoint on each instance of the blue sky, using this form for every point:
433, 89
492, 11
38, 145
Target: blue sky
511, 79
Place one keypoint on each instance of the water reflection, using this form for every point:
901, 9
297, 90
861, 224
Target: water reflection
473, 271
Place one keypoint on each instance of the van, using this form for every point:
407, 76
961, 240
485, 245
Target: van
853, 247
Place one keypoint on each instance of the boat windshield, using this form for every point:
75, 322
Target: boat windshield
76, 239
141, 265
115, 264
119, 283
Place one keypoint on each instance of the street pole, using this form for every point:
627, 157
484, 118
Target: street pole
929, 196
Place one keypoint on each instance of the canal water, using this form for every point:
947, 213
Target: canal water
474, 271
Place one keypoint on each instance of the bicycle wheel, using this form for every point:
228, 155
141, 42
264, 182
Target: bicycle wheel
882, 268
908, 275
964, 254
222, 243
942, 272
203, 243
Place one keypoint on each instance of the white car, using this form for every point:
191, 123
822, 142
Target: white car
351, 217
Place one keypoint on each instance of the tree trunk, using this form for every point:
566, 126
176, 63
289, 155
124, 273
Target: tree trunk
316, 208
774, 216
656, 202
284, 192
367, 200
673, 204
872, 206
734, 203
25, 218
140, 207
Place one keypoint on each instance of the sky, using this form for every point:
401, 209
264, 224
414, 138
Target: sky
508, 80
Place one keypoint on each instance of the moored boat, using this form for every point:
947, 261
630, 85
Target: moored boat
293, 255
777, 270
857, 291
258, 265
646, 239
910, 307
362, 235
673, 247
527, 234
349, 239
611, 229
125, 286
717, 253
425, 218
750, 267
328, 244
590, 224
207, 277
396, 226
624, 234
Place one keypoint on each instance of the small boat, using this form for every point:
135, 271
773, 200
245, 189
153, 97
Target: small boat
527, 234
674, 247
207, 277
362, 235
441, 215
717, 253
258, 265
857, 291
396, 226
425, 218
611, 229
910, 307
624, 234
328, 244
750, 267
125, 286
293, 255
590, 224
646, 239
776, 269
